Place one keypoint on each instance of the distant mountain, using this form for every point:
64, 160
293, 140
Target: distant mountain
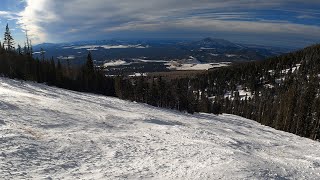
214, 43
205, 50
218, 50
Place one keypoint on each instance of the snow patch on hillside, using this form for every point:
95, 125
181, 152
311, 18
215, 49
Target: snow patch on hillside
70, 57
173, 65
94, 47
138, 75
193, 64
139, 46
243, 93
115, 63
51, 133
231, 55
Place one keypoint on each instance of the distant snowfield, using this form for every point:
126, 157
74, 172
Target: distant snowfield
174, 65
50, 133
67, 57
115, 63
94, 47
192, 64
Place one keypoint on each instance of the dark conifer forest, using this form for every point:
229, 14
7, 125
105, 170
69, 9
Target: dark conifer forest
281, 92
19, 63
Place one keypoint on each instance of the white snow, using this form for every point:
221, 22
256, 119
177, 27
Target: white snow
244, 93
179, 66
190, 66
206, 48
230, 55
212, 54
115, 63
272, 72
280, 80
286, 71
139, 46
138, 75
66, 57
88, 47
67, 47
149, 60
269, 86
50, 133
94, 47
193, 64
293, 69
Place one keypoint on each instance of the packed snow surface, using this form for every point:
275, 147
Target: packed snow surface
50, 133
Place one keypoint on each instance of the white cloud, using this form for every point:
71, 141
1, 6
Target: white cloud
4, 13
8, 15
55, 20
223, 26
36, 17
305, 16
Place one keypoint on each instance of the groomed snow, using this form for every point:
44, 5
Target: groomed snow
50, 133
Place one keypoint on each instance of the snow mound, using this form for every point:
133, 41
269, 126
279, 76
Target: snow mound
51, 133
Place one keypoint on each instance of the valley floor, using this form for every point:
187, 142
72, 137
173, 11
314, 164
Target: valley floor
51, 133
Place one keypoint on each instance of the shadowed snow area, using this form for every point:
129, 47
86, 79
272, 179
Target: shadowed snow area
51, 133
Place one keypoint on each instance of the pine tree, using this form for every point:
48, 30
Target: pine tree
19, 50
1, 50
89, 64
59, 75
52, 72
88, 75
8, 39
42, 52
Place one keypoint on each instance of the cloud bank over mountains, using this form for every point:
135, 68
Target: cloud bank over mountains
251, 21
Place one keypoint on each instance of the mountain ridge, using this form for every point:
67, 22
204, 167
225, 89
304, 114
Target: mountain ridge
167, 50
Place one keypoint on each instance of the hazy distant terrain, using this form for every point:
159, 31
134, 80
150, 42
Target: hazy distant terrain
155, 56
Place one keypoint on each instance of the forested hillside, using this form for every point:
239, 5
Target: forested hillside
19, 63
282, 92
52, 133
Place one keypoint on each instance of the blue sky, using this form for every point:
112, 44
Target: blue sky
293, 23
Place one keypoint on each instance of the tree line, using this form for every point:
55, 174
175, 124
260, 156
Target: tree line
283, 92
19, 63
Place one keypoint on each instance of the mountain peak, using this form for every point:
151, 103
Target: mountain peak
216, 42
210, 39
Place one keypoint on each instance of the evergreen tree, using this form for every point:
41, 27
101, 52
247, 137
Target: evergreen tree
19, 50
89, 65
42, 53
8, 39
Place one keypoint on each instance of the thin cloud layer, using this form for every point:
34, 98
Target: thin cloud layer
52, 20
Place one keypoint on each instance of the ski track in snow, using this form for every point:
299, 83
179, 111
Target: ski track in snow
51, 133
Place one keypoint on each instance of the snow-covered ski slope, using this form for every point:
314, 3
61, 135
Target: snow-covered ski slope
51, 133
